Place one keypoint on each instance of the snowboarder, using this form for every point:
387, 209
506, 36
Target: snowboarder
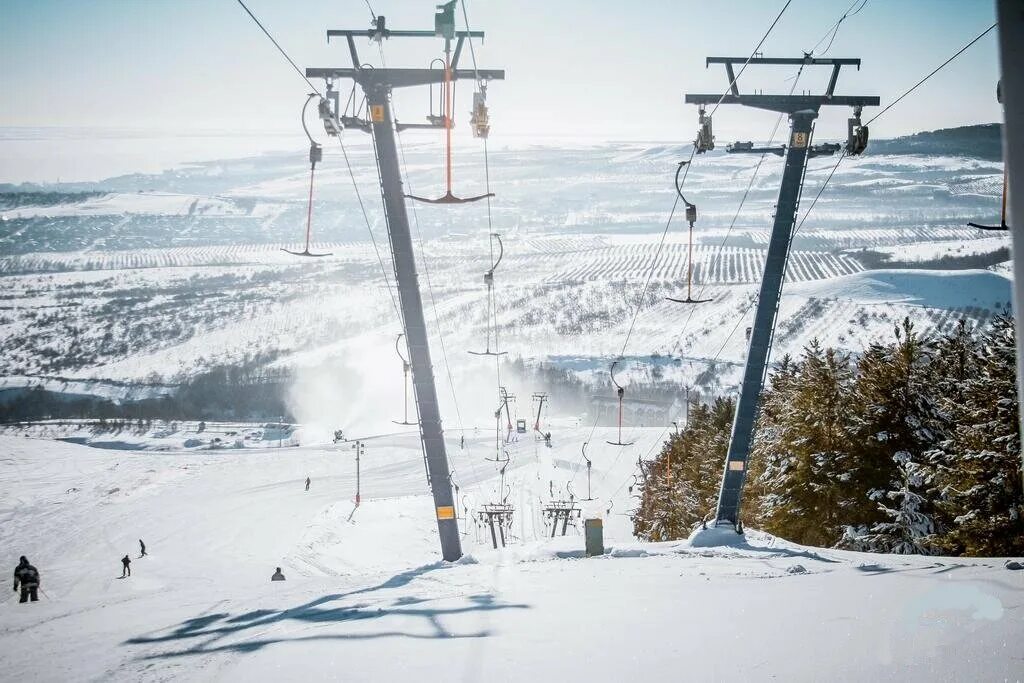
28, 576
307, 483
142, 547
126, 564
278, 576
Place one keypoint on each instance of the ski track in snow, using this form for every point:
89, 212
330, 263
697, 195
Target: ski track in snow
367, 597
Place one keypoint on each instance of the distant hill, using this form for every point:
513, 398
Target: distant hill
982, 141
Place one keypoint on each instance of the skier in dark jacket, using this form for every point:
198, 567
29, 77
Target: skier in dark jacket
142, 546
126, 564
28, 576
307, 483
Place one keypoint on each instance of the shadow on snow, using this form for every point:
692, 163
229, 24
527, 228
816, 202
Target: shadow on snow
202, 633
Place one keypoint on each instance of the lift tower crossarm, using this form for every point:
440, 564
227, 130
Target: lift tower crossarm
787, 104
802, 110
400, 78
377, 85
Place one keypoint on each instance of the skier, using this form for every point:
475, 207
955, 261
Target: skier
307, 483
142, 546
278, 576
126, 564
462, 442
28, 576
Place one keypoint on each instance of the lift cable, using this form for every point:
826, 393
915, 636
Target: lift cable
492, 303
280, 49
752, 54
834, 30
675, 205
835, 167
348, 164
688, 163
720, 251
937, 69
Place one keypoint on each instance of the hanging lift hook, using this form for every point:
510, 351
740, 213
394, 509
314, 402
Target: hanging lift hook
589, 467
621, 392
448, 96
405, 383
316, 154
1002, 227
489, 281
691, 218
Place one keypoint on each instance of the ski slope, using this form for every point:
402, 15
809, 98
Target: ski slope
367, 598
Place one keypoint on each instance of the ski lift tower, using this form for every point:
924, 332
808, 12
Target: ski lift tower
802, 110
377, 84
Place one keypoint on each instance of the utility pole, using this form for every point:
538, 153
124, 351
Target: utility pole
359, 448
802, 111
377, 84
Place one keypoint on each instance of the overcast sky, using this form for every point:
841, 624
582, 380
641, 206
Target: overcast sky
597, 68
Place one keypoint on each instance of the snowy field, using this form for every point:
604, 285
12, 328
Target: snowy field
367, 599
149, 277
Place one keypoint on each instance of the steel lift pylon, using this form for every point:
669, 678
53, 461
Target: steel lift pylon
377, 85
802, 111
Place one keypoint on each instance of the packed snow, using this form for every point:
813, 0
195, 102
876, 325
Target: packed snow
367, 597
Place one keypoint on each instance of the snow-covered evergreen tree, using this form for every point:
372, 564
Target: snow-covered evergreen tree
979, 464
895, 420
803, 448
907, 531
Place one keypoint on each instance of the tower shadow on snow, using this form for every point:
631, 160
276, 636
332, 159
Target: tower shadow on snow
201, 635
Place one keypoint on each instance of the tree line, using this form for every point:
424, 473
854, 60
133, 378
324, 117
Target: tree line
911, 447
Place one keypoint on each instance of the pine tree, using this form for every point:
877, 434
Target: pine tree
979, 473
804, 447
894, 422
908, 531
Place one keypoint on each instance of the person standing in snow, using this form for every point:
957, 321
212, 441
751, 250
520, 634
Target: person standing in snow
307, 483
126, 564
278, 576
142, 547
28, 577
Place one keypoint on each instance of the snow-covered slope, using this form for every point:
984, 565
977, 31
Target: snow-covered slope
368, 600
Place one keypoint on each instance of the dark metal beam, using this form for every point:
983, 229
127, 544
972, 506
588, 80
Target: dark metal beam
401, 78
411, 303
389, 33
735, 471
810, 61
785, 103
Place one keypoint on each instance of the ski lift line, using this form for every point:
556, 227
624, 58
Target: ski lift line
472, 51
935, 71
279, 48
373, 14
732, 83
834, 30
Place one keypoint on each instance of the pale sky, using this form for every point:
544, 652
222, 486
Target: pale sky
597, 68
